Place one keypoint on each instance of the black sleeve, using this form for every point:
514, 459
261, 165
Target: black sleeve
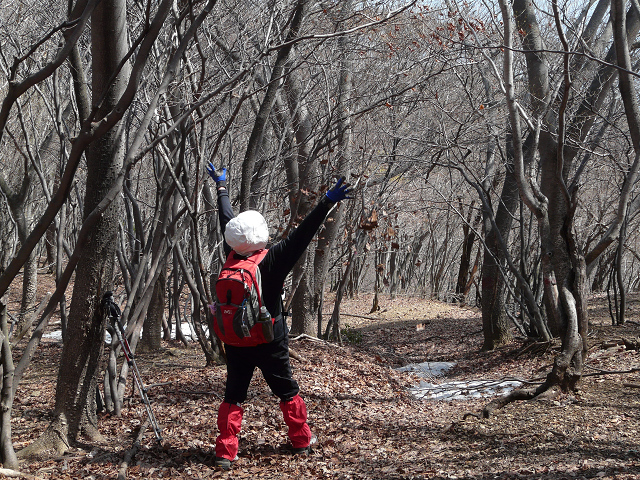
283, 255
281, 258
225, 213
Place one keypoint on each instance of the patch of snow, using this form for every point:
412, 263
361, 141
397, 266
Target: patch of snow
461, 390
55, 335
186, 330
456, 390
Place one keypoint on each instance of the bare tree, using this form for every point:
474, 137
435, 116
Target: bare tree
554, 203
75, 411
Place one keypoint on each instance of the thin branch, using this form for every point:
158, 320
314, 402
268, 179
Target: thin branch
16, 89
389, 16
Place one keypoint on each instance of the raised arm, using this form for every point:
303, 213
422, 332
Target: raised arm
225, 212
283, 255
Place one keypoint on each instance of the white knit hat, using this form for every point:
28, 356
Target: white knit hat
247, 232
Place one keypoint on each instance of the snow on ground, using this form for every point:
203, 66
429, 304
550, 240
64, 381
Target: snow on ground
455, 390
186, 330
424, 390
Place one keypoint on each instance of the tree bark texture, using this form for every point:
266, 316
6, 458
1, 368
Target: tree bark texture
152, 329
75, 408
329, 231
94, 274
7, 453
495, 324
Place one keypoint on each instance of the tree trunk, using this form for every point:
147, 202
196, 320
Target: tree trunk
153, 323
329, 232
632, 110
302, 319
7, 453
332, 332
29, 285
468, 239
75, 407
152, 329
620, 311
20, 206
495, 324
563, 264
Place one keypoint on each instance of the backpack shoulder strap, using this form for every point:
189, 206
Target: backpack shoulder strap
258, 256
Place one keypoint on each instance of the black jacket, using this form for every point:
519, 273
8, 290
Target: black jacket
281, 257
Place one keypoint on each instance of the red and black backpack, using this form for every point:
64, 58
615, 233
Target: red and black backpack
238, 302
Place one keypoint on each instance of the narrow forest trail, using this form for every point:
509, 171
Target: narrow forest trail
369, 426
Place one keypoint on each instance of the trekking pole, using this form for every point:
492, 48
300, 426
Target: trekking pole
114, 315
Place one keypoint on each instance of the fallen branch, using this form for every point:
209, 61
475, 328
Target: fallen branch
358, 316
631, 344
535, 348
128, 456
157, 385
304, 336
296, 355
15, 474
199, 392
600, 371
513, 396
611, 344
632, 385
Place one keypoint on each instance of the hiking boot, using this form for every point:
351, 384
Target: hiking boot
223, 463
307, 449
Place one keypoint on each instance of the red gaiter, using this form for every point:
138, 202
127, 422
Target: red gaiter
229, 421
295, 416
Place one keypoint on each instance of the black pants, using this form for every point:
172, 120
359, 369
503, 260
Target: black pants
271, 358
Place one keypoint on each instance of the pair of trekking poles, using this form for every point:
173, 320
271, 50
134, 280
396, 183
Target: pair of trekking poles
113, 312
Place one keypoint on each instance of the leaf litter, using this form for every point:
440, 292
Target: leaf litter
368, 422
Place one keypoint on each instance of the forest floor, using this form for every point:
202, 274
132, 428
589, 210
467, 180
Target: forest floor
369, 425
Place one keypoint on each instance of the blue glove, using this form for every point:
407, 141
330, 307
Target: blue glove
218, 176
339, 191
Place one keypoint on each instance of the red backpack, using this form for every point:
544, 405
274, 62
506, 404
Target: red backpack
239, 316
